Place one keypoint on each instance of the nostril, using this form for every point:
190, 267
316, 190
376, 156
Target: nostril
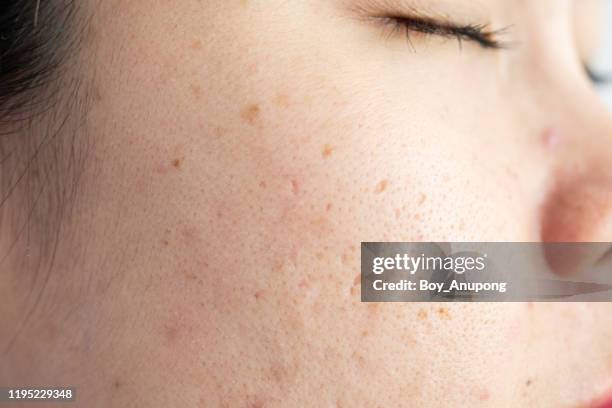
577, 210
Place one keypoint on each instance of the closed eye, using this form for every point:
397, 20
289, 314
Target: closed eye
477, 33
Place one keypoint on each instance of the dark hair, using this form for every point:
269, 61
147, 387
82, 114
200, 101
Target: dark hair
42, 104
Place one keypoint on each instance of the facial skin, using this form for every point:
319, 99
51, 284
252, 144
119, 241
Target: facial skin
242, 150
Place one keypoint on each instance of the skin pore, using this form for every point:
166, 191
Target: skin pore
242, 150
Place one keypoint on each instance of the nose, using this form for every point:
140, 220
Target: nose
577, 206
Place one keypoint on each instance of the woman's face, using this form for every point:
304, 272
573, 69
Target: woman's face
243, 149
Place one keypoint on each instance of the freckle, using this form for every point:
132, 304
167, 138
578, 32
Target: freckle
165, 242
117, 384
282, 100
320, 256
365, 333
422, 198
262, 184
398, 213
444, 313
219, 214
327, 151
373, 308
328, 207
295, 187
176, 163
381, 187
190, 276
422, 315
196, 44
528, 382
250, 114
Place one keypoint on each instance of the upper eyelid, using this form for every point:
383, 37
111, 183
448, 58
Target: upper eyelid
480, 33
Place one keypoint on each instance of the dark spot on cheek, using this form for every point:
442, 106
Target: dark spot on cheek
422, 198
250, 114
381, 186
444, 313
327, 151
259, 295
196, 44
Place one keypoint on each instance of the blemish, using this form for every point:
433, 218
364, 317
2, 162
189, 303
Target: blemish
171, 332
381, 186
282, 100
165, 242
263, 185
258, 295
250, 113
196, 90
422, 199
443, 313
422, 315
484, 395
295, 187
304, 284
117, 384
176, 163
327, 151
196, 44
551, 138
528, 382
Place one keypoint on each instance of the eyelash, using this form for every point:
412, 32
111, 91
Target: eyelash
476, 33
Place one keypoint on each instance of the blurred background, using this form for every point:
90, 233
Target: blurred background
603, 63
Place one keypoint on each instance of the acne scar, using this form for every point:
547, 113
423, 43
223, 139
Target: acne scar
250, 114
327, 151
381, 186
